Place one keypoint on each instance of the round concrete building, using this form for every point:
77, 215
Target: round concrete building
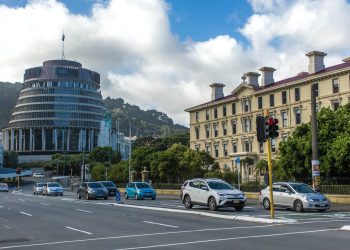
59, 110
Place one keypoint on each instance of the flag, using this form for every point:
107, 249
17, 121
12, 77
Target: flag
63, 37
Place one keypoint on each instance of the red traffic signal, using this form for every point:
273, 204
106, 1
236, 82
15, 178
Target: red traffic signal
18, 170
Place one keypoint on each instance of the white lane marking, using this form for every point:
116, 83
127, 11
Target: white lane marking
25, 213
160, 224
6, 226
170, 205
1, 207
136, 235
78, 230
45, 204
85, 211
346, 228
21, 200
227, 239
222, 216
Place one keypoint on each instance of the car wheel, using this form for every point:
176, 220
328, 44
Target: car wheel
322, 210
61, 194
239, 208
137, 197
126, 196
106, 198
34, 193
79, 197
87, 196
153, 198
212, 204
266, 203
187, 202
298, 206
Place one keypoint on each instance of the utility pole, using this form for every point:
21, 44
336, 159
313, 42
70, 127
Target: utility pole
315, 164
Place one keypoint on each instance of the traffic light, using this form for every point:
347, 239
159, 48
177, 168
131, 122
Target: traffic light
274, 129
260, 128
18, 170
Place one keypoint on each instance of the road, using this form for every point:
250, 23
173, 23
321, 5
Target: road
37, 222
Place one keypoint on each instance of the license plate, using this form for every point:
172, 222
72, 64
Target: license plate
322, 205
235, 201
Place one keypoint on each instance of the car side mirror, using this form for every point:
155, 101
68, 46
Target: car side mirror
205, 188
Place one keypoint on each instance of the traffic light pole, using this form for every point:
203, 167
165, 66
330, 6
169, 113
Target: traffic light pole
272, 209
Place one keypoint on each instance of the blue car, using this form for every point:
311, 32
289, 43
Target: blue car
139, 190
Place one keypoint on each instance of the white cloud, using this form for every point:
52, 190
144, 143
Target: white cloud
130, 44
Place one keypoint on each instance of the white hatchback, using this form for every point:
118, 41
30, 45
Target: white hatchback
213, 193
4, 187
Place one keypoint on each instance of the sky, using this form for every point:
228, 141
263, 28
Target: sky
164, 54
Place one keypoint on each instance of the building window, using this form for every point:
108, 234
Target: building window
197, 116
335, 85
225, 149
234, 147
215, 113
260, 102
273, 145
207, 115
335, 104
246, 124
197, 147
284, 97
207, 149
233, 108
284, 118
272, 100
246, 106
216, 149
197, 132
207, 131
297, 116
284, 137
297, 94
261, 147
246, 146
234, 127
215, 130
224, 128
224, 110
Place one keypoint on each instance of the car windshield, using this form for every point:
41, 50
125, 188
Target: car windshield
108, 184
40, 184
53, 185
302, 188
95, 185
142, 185
219, 185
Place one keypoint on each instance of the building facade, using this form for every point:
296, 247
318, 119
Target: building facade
59, 110
225, 127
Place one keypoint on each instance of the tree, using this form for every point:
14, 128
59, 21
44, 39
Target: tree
104, 155
119, 173
98, 172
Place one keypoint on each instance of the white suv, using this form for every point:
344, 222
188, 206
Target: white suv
212, 193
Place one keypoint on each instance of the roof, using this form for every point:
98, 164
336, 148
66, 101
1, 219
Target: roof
289, 80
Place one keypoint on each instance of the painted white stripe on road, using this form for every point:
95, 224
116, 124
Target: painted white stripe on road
21, 200
136, 235
160, 224
25, 213
346, 228
226, 239
170, 205
45, 204
6, 226
85, 211
1, 207
78, 230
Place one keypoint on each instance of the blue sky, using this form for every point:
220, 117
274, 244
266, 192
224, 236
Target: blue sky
164, 54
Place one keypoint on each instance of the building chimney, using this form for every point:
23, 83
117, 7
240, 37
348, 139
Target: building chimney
252, 78
217, 91
267, 76
316, 61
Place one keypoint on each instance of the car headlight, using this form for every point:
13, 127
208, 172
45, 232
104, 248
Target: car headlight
221, 194
309, 199
105, 189
91, 190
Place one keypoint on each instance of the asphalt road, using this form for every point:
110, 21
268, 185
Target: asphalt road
37, 222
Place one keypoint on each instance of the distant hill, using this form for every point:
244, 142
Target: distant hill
143, 123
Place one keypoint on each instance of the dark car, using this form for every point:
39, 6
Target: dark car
110, 186
92, 190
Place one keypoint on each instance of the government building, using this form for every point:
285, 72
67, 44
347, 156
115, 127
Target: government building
225, 127
59, 110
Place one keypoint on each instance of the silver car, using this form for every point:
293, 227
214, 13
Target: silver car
297, 196
38, 188
52, 188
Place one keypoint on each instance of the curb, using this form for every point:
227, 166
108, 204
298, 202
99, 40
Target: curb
238, 217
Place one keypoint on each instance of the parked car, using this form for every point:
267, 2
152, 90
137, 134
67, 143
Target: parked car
38, 175
139, 190
297, 196
38, 188
110, 186
4, 187
52, 188
92, 190
212, 193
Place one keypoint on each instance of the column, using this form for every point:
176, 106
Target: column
80, 141
55, 138
43, 139
30, 139
89, 141
20, 139
63, 137
68, 139
6, 139
92, 139
24, 139
12, 147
